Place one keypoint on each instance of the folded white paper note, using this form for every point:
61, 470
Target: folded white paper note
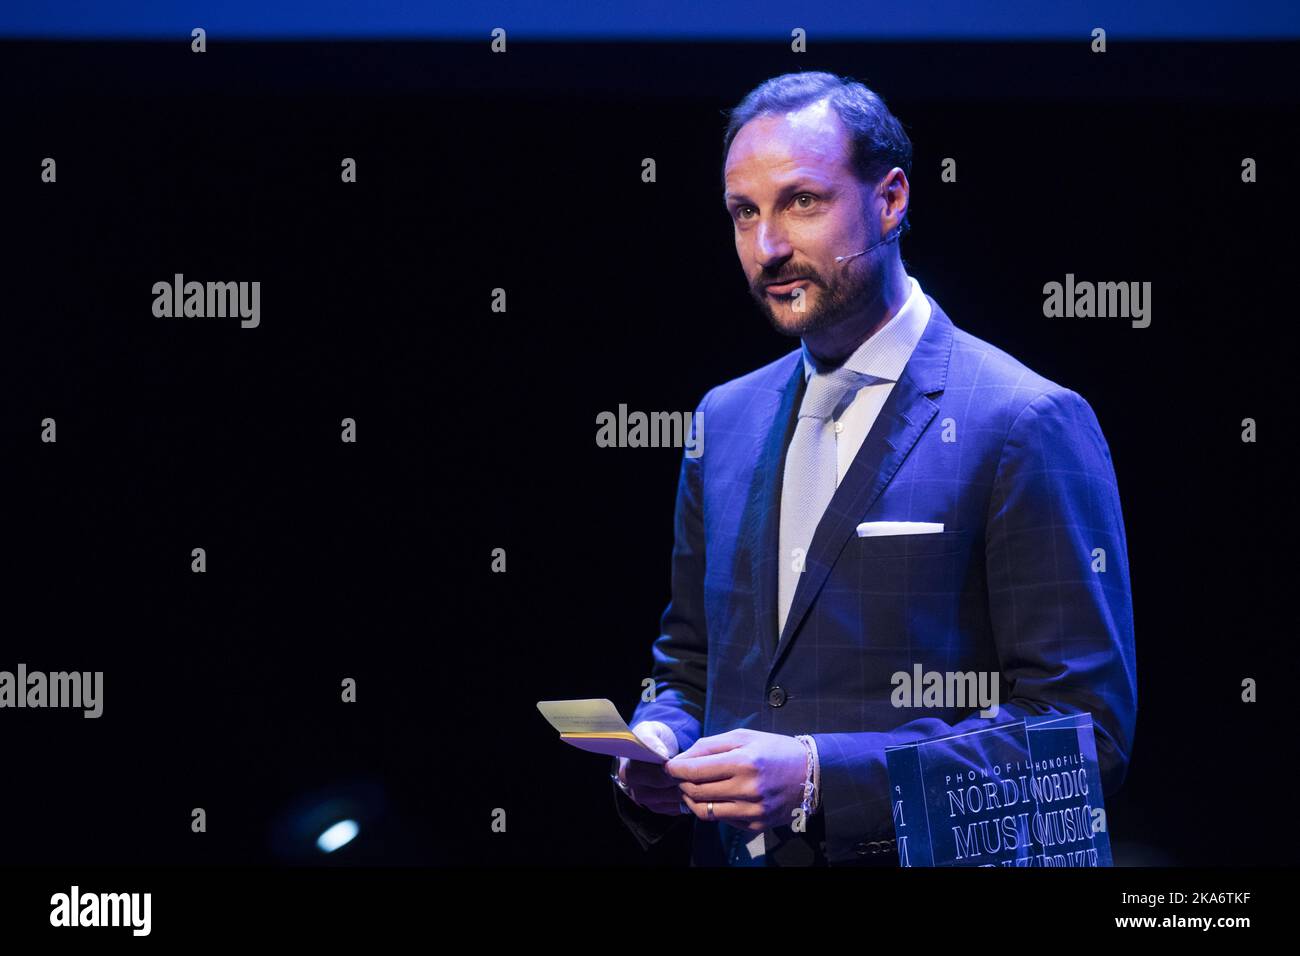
872, 528
595, 725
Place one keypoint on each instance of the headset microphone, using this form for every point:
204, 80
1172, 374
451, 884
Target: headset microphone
892, 236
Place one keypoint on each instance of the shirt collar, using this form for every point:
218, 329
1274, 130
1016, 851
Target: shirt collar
884, 354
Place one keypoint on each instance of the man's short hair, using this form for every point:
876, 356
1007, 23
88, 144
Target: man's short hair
878, 142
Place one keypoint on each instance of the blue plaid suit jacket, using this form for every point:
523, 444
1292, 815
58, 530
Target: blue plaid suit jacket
1017, 469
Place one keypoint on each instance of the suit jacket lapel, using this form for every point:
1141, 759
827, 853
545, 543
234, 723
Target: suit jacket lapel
764, 514
902, 418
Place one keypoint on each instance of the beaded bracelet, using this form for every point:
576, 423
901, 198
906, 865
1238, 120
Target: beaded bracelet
812, 783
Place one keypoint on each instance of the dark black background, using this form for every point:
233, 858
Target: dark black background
476, 429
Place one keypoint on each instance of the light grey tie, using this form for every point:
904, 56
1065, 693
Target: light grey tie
810, 476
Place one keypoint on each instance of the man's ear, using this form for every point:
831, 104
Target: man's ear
895, 190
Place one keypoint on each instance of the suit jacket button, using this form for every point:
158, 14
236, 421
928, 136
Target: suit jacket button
776, 697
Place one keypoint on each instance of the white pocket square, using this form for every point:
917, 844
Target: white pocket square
871, 528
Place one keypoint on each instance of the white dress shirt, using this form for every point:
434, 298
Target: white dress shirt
883, 357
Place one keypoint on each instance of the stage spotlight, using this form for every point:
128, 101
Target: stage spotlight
326, 824
337, 835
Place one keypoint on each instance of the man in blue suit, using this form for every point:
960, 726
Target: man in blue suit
894, 495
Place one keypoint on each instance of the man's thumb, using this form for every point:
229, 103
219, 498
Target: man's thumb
658, 737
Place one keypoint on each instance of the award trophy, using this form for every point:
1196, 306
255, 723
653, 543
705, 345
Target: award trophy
1022, 793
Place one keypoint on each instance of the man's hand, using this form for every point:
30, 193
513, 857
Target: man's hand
647, 783
754, 779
